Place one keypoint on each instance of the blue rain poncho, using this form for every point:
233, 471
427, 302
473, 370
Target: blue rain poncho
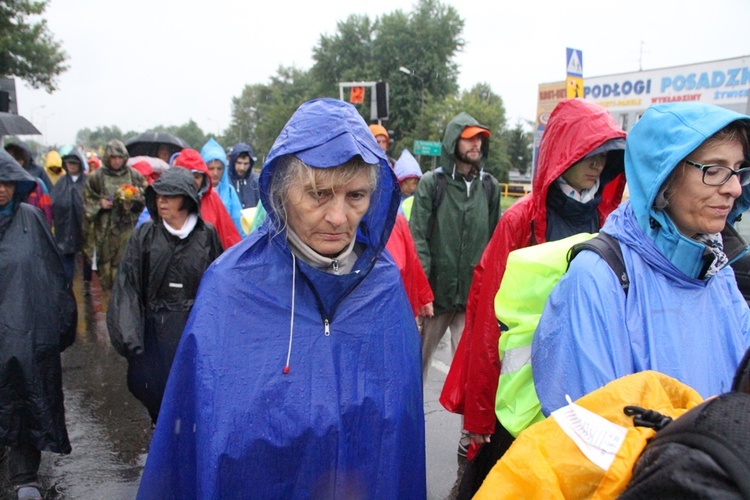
672, 321
347, 419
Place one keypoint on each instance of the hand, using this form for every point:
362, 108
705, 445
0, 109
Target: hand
107, 204
426, 311
479, 438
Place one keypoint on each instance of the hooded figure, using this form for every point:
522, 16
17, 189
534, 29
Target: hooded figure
212, 208
39, 319
576, 128
39, 196
67, 206
53, 167
212, 151
683, 314
156, 286
109, 218
246, 184
299, 380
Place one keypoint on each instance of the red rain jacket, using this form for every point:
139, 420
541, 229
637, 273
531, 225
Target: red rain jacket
401, 247
575, 128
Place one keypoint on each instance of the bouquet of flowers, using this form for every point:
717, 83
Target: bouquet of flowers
127, 193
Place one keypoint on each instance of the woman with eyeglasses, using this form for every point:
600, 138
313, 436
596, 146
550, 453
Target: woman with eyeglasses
682, 314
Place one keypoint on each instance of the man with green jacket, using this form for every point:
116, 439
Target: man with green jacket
456, 208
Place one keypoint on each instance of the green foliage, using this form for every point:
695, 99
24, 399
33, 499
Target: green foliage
488, 109
96, 139
424, 41
519, 142
189, 132
259, 114
27, 48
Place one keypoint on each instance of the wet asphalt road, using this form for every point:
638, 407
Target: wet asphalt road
110, 430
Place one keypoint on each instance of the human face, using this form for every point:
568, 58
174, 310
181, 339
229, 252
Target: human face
6, 192
242, 165
164, 152
696, 208
382, 142
584, 174
198, 178
116, 162
326, 217
469, 150
215, 170
409, 186
73, 167
170, 211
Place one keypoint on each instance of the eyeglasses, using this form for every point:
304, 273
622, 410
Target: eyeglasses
718, 175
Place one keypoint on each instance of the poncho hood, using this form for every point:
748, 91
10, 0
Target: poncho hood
407, 167
450, 139
174, 182
661, 139
237, 150
326, 133
12, 171
575, 129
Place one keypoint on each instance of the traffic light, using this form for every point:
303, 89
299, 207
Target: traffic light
381, 99
357, 95
4, 101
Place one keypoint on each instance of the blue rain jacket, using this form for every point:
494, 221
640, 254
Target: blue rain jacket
212, 150
347, 419
672, 321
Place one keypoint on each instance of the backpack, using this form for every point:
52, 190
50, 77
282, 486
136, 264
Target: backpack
441, 183
705, 453
530, 275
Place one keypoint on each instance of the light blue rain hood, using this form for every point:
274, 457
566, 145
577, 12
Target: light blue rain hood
664, 136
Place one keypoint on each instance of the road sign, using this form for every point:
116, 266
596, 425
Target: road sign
574, 61
427, 148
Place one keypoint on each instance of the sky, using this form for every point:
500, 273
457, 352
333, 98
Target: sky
142, 63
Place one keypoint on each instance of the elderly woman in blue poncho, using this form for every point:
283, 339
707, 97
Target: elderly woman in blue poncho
682, 314
298, 374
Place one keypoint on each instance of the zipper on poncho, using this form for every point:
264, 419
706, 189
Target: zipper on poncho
327, 331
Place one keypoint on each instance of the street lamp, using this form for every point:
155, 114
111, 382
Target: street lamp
409, 72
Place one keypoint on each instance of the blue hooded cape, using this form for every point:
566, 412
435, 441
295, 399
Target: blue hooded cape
347, 419
211, 151
246, 186
672, 321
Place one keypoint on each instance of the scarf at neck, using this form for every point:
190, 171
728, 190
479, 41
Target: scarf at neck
715, 244
343, 263
185, 230
584, 196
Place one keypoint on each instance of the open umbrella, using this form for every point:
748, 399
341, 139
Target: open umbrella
147, 144
11, 124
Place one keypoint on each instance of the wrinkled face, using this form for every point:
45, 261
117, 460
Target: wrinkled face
215, 171
242, 165
169, 209
382, 142
6, 192
409, 186
584, 174
73, 167
695, 207
326, 217
116, 162
469, 150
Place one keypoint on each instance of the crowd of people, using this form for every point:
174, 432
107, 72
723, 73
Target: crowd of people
286, 357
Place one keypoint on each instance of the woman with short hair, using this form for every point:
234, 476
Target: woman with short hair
682, 315
298, 375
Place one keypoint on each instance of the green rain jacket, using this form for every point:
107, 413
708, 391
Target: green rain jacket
463, 223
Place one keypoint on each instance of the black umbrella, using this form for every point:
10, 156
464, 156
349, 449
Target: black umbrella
11, 124
147, 144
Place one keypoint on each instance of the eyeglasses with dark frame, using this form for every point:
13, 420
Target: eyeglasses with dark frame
718, 175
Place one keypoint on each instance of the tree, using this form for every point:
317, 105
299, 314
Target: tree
488, 109
99, 137
519, 141
425, 41
262, 110
27, 48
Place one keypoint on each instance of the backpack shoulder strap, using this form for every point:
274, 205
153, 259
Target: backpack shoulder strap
437, 198
608, 248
